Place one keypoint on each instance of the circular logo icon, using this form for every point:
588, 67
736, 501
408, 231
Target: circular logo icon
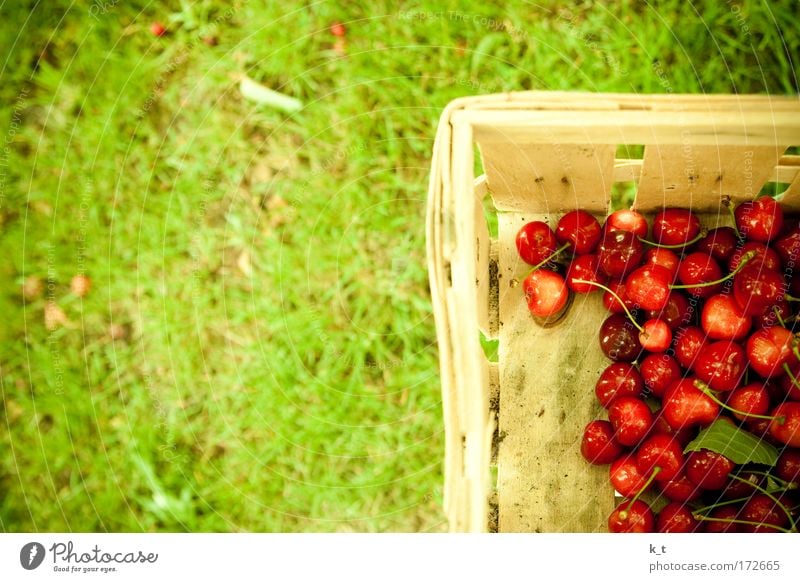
31, 555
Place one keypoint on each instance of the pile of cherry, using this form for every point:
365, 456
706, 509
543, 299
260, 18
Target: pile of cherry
700, 332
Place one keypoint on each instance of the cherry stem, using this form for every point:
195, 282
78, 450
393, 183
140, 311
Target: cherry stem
699, 237
777, 313
701, 517
556, 252
771, 496
795, 351
733, 218
623, 515
790, 298
615, 296
792, 377
746, 258
784, 484
708, 392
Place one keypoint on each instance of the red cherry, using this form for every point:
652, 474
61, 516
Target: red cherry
765, 257
688, 343
685, 405
663, 258
629, 221
769, 349
656, 336
659, 371
598, 445
586, 268
535, 242
663, 452
648, 287
680, 489
619, 339
675, 226
722, 318
720, 243
625, 476
618, 379
744, 485
158, 29
751, 399
768, 317
620, 252
759, 220
722, 520
755, 289
631, 419
580, 229
338, 29
788, 466
721, 365
546, 293
766, 515
785, 427
700, 269
631, 517
676, 518
790, 384
708, 469
788, 246
677, 312
682, 436
611, 303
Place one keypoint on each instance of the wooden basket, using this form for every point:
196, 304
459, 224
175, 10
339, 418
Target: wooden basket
544, 154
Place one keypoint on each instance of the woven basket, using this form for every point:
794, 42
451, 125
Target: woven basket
543, 154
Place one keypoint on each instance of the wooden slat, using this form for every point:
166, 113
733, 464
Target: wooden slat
627, 170
698, 177
545, 179
547, 378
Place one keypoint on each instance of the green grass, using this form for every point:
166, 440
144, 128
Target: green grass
272, 365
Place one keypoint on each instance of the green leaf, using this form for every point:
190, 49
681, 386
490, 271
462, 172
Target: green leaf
738, 445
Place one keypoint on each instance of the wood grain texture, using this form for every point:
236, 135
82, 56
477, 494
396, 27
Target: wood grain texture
547, 378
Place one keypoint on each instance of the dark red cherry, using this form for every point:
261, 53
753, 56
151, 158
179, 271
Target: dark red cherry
546, 294
656, 336
618, 379
680, 489
629, 221
744, 485
675, 226
620, 253
663, 452
585, 268
708, 469
759, 220
648, 287
677, 311
698, 270
631, 419
768, 317
769, 349
750, 399
785, 427
676, 518
685, 405
611, 303
688, 343
598, 445
631, 517
766, 515
765, 257
721, 365
682, 436
788, 466
535, 242
580, 229
788, 246
619, 339
720, 243
723, 520
790, 383
755, 289
625, 476
723, 319
659, 371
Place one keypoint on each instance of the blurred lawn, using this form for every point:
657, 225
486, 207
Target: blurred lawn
257, 349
